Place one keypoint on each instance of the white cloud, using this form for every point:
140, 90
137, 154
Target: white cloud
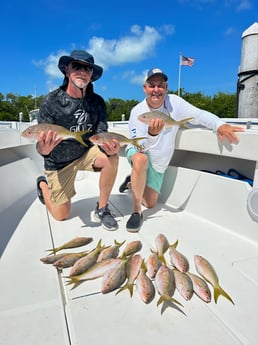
137, 79
138, 45
230, 31
244, 5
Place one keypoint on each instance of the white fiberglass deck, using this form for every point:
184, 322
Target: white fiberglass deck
43, 310
206, 213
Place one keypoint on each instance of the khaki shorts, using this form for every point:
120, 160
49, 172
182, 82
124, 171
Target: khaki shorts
61, 182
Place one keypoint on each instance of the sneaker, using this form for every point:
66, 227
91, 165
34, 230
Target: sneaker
105, 217
124, 185
134, 222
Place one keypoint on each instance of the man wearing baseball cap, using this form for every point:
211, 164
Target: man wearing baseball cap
149, 165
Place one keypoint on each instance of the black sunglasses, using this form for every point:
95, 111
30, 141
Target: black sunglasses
77, 66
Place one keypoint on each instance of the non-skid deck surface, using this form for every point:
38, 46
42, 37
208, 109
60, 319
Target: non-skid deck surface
44, 310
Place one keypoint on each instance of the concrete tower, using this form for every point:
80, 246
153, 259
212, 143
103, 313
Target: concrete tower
247, 85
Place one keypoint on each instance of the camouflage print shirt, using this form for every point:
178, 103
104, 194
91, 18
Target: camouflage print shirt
75, 114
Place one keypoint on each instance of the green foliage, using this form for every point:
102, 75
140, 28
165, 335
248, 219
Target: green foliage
222, 104
117, 107
12, 105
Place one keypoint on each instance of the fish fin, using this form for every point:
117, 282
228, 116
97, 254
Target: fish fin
72, 280
174, 245
126, 286
79, 138
136, 144
75, 281
164, 298
181, 123
175, 301
162, 259
119, 244
219, 291
54, 250
160, 300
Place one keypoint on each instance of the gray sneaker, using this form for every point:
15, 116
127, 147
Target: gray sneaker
105, 217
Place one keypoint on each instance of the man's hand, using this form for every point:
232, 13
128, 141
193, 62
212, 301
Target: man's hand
111, 148
155, 126
228, 132
47, 142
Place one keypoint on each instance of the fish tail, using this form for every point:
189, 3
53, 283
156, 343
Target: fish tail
126, 286
174, 245
181, 123
130, 288
162, 259
75, 281
136, 144
176, 301
160, 300
164, 298
219, 291
54, 250
119, 244
72, 280
78, 136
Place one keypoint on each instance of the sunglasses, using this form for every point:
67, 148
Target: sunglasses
77, 66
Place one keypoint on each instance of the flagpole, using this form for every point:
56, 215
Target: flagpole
179, 74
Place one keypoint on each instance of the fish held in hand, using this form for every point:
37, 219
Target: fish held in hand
74, 243
34, 131
168, 121
101, 138
206, 270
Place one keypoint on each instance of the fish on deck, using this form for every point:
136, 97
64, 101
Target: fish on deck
34, 131
207, 271
168, 121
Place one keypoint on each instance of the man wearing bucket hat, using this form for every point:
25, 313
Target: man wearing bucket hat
148, 167
75, 106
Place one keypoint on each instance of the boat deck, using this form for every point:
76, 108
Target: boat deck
207, 214
44, 310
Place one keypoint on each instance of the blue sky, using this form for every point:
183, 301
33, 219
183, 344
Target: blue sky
127, 39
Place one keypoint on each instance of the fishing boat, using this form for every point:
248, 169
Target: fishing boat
208, 203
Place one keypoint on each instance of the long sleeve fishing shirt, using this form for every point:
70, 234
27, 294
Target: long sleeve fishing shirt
161, 147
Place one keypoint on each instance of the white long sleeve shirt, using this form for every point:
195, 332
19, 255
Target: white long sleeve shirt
161, 147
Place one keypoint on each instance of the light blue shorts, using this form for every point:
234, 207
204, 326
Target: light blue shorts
154, 179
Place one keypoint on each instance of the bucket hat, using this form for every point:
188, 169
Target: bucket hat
83, 57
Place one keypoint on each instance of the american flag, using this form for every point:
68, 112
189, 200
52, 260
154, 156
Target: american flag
187, 61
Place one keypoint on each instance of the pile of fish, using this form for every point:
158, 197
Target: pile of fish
164, 271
